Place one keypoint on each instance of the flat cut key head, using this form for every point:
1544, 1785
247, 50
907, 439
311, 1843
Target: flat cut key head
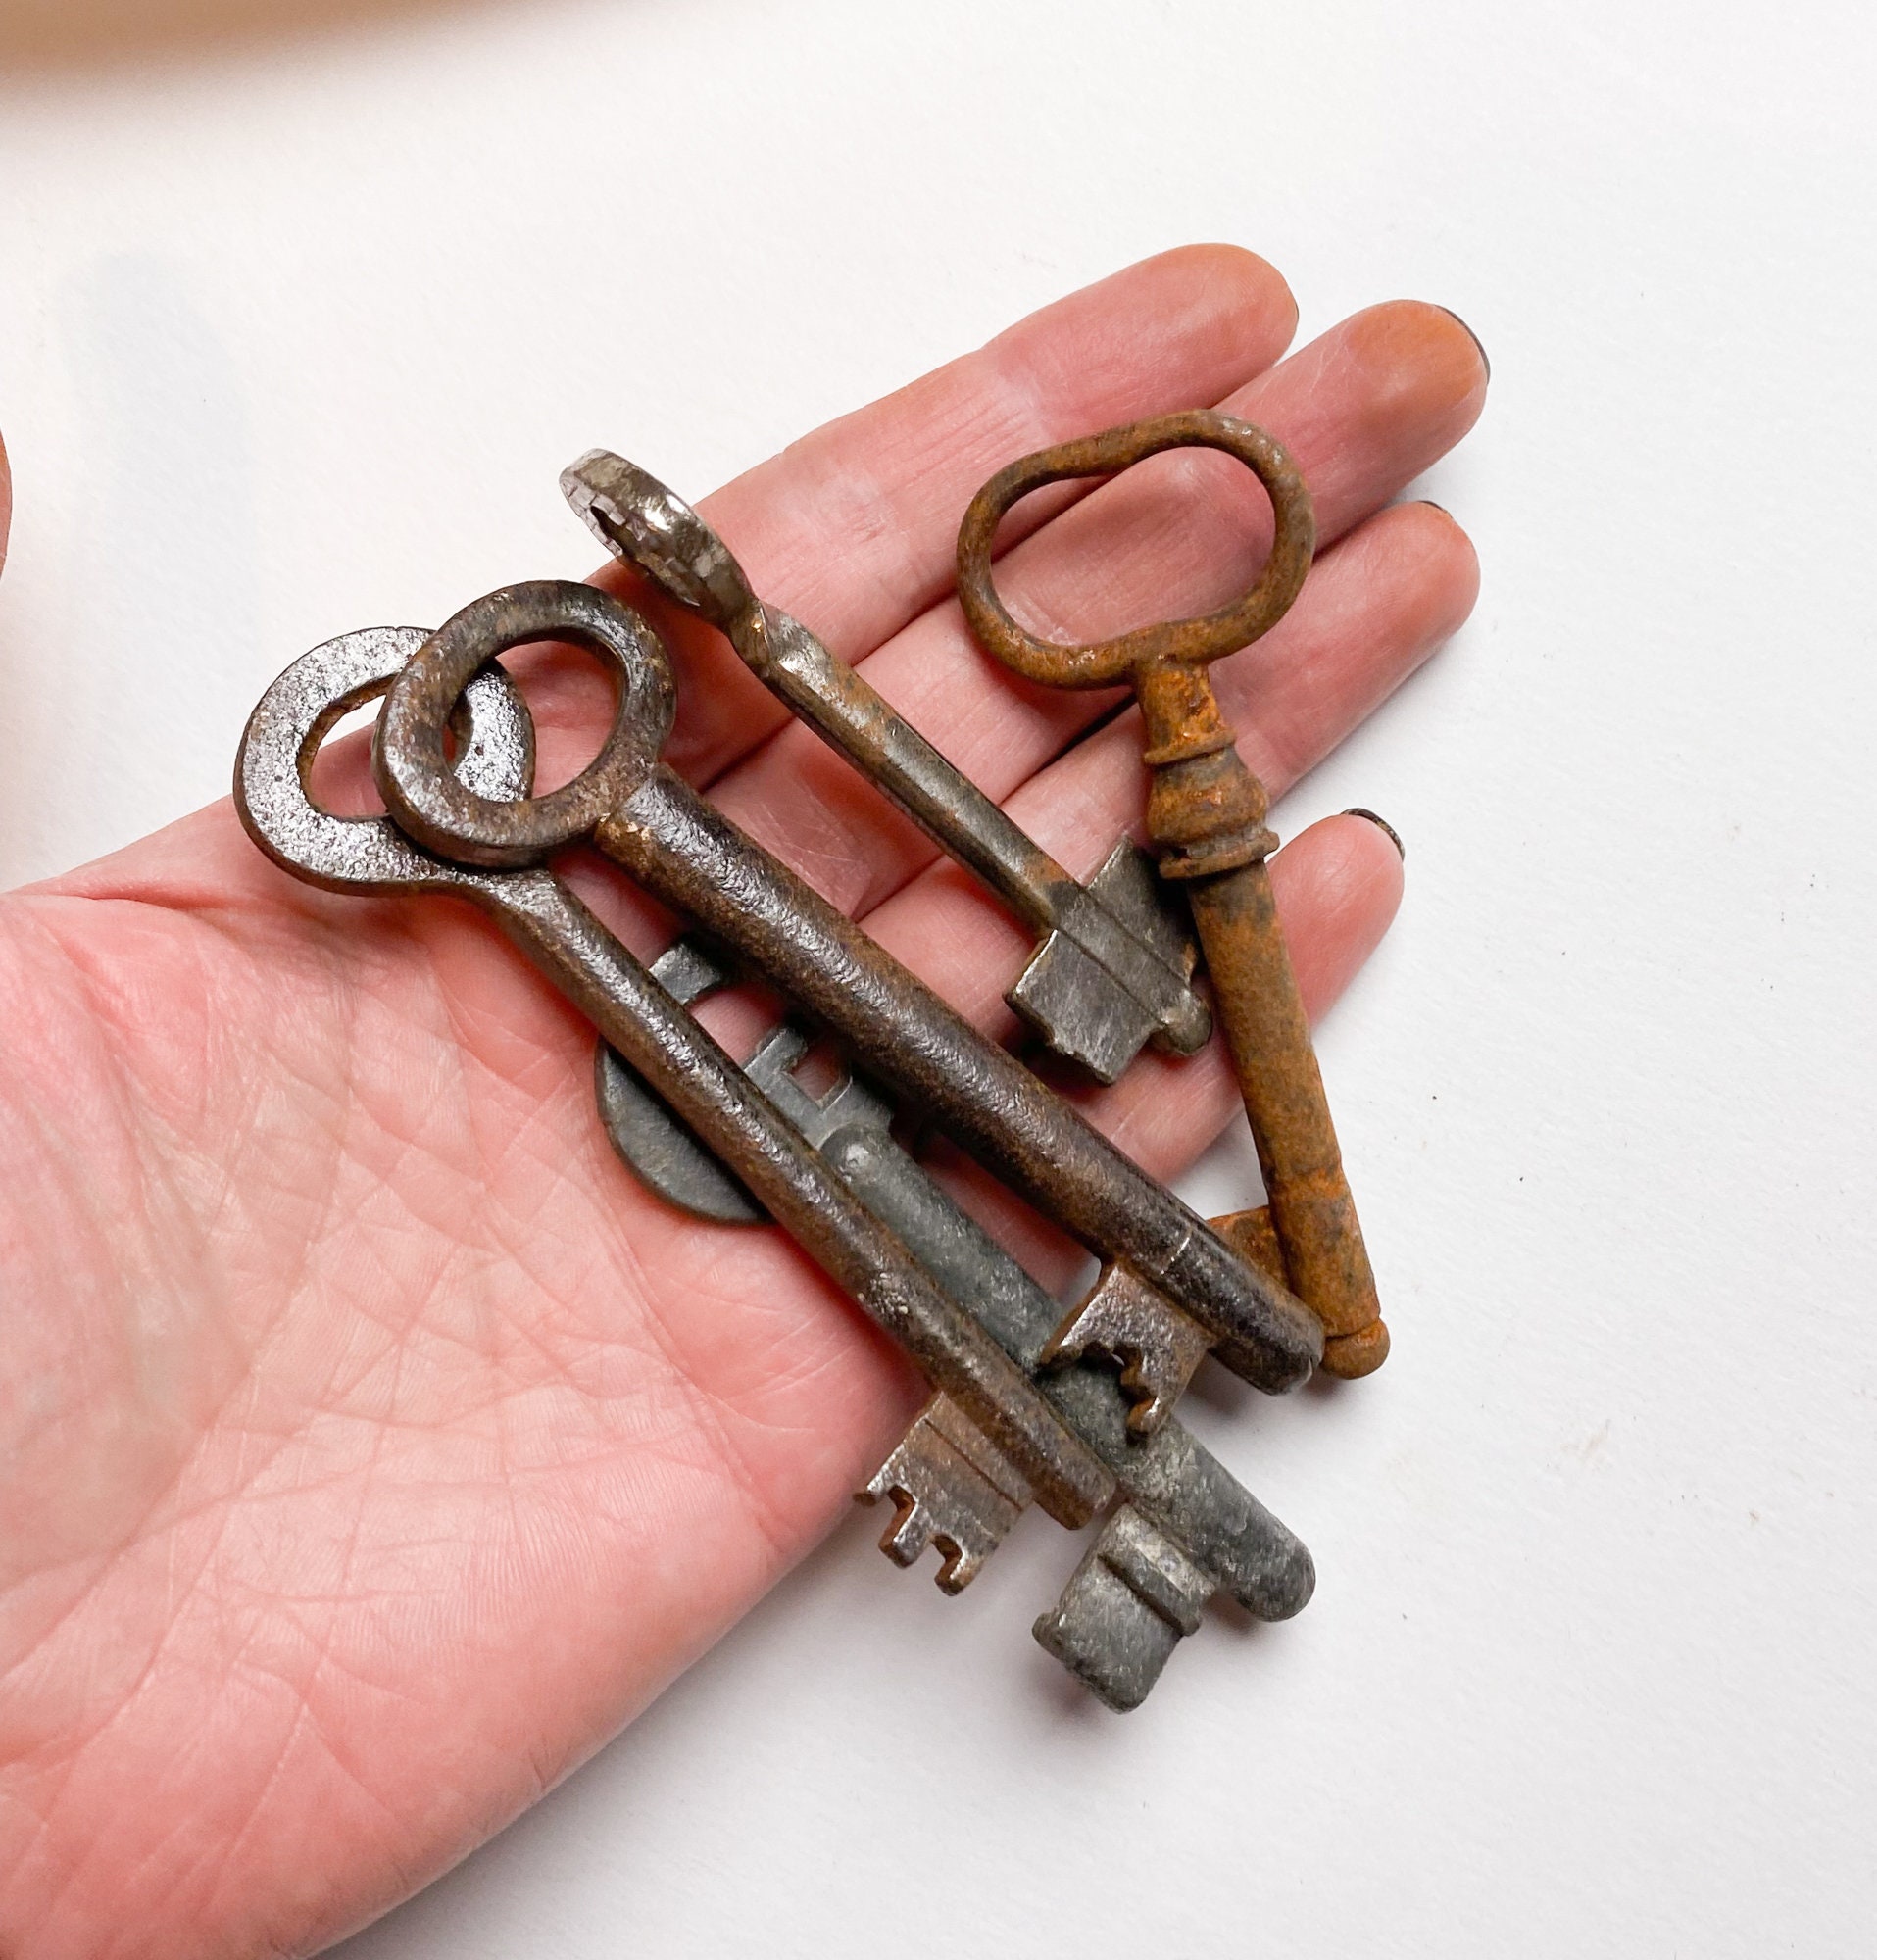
635, 515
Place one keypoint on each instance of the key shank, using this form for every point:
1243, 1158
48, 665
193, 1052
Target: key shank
687, 853
1205, 812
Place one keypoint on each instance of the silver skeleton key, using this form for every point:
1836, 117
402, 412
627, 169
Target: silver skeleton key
1187, 1530
1115, 965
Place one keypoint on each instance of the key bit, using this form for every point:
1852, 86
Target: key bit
1069, 997
1130, 1602
664, 1155
1206, 815
1115, 965
1158, 1344
952, 1489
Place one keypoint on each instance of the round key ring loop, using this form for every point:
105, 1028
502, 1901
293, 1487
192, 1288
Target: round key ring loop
1171, 643
409, 758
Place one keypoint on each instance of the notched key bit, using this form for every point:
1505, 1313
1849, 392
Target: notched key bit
1115, 966
1158, 1345
951, 1489
1070, 998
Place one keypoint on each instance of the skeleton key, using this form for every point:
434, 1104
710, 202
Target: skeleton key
1004, 1443
1177, 1286
1188, 1527
1115, 966
1205, 812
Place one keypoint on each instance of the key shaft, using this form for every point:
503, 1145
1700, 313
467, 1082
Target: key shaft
683, 851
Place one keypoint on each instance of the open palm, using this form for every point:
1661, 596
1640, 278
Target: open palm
371, 1447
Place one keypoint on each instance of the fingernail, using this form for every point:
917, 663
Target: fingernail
1486, 359
1432, 506
1382, 824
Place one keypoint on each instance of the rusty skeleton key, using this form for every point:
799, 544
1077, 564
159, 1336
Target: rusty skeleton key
1115, 966
1205, 814
1171, 1287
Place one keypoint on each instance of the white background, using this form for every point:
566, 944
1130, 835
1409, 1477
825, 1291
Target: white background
294, 337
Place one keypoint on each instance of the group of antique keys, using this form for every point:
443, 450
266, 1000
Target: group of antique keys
1071, 1410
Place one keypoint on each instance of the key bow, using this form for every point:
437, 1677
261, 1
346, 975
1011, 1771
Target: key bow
1206, 812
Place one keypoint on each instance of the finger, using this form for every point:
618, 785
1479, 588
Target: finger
1293, 701
1376, 607
1368, 407
1338, 888
6, 502
853, 527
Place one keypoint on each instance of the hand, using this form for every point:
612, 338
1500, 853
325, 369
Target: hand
374, 1447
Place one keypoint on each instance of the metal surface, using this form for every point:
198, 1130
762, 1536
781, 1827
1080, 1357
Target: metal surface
1021, 1431
685, 853
661, 1151
1132, 1599
1115, 965
1113, 1630
952, 1489
1206, 815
